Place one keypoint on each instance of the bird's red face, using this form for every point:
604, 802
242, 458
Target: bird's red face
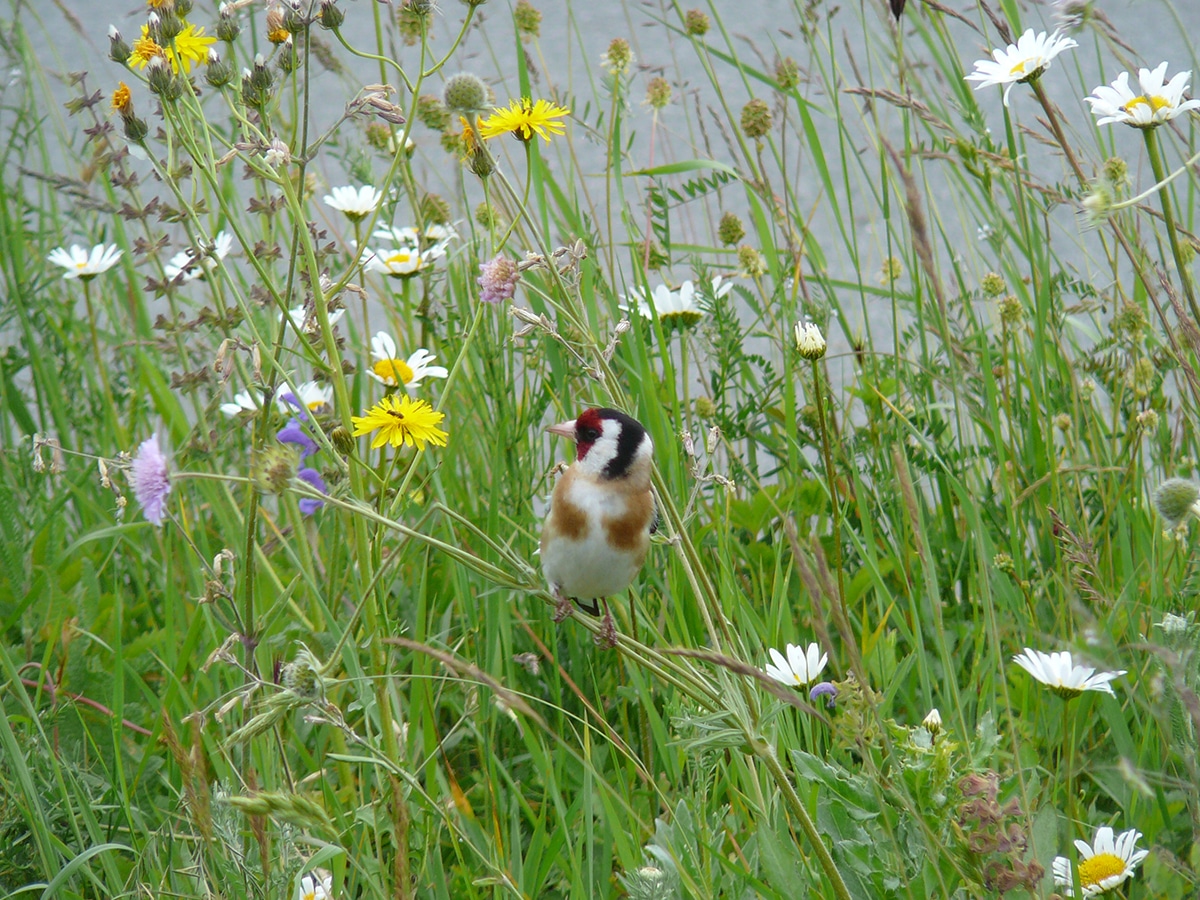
588, 429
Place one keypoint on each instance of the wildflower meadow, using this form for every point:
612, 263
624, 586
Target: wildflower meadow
857, 345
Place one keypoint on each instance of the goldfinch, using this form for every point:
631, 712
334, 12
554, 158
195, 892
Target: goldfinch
602, 512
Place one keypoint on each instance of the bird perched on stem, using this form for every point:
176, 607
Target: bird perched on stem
601, 516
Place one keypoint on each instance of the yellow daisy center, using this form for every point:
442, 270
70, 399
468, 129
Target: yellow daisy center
1019, 68
393, 371
402, 258
1095, 869
1155, 103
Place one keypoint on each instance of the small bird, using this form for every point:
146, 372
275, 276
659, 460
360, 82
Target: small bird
601, 515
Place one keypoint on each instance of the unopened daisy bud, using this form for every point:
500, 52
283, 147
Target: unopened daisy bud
218, 72
730, 229
695, 23
750, 262
756, 119
1175, 499
618, 58
810, 343
465, 93
933, 722
658, 92
787, 73
118, 50
228, 27
992, 284
527, 19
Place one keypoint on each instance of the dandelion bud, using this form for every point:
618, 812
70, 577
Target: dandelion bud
218, 73
228, 27
161, 80
1175, 498
183, 7
293, 19
331, 16
695, 23
465, 93
658, 92
481, 163
810, 343
527, 19
169, 27
756, 119
730, 229
288, 58
118, 50
933, 722
342, 440
153, 27
135, 129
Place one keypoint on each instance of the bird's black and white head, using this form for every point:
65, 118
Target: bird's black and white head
609, 445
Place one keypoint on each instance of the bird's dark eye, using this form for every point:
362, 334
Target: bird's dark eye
589, 435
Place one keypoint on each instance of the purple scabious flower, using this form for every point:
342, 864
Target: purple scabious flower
151, 479
309, 505
825, 689
498, 279
293, 433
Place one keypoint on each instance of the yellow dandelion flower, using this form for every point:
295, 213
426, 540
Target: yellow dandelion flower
144, 50
189, 48
524, 118
400, 420
122, 99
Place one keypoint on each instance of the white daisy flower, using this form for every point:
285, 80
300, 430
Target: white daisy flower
1158, 102
311, 395
1018, 63
243, 401
435, 235
681, 307
315, 885
1059, 673
185, 267
1103, 865
308, 323
800, 667
390, 370
355, 203
81, 264
401, 262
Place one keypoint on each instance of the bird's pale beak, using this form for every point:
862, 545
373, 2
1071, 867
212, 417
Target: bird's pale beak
564, 429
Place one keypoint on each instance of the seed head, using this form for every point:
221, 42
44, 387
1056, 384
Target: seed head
1175, 498
528, 20
787, 73
992, 284
730, 229
465, 93
756, 119
695, 23
658, 92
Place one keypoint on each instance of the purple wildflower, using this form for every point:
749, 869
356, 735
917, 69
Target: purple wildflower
824, 689
151, 480
287, 398
498, 279
309, 505
294, 433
